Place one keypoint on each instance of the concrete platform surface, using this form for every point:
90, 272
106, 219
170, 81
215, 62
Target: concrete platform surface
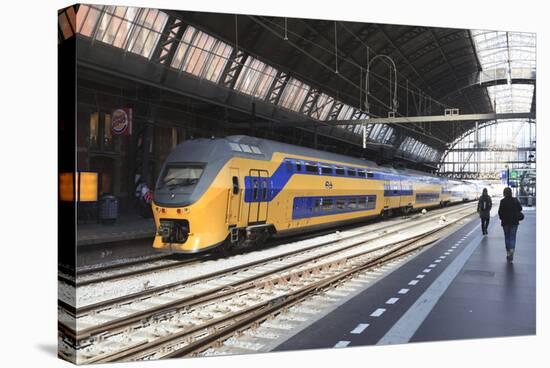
127, 227
489, 298
462, 287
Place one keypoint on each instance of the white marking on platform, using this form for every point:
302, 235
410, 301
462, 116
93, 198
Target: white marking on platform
426, 270
442, 257
403, 291
419, 276
342, 344
360, 328
413, 282
437, 261
392, 300
408, 324
378, 312
447, 253
432, 265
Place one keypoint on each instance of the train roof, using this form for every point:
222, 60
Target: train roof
222, 149
268, 147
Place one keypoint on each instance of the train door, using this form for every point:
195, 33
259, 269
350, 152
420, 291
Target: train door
264, 196
234, 200
388, 193
403, 192
258, 199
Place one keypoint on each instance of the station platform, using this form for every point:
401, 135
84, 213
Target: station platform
462, 287
126, 227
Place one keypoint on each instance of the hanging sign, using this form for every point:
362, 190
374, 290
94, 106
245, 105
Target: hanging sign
121, 121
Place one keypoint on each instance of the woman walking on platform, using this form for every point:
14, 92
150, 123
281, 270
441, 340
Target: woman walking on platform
510, 215
484, 209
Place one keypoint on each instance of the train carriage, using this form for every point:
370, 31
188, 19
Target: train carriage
239, 190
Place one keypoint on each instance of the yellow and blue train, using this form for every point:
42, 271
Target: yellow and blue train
240, 190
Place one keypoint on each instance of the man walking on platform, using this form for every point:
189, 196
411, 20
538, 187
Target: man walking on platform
484, 209
510, 215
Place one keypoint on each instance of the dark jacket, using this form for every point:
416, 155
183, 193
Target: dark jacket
484, 206
509, 211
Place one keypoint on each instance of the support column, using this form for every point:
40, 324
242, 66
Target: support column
147, 141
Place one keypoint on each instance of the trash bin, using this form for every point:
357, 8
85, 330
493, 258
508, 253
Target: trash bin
108, 209
530, 201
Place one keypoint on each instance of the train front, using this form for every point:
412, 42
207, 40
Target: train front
190, 199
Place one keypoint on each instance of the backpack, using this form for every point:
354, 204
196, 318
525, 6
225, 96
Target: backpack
521, 216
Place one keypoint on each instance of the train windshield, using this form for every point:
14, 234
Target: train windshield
180, 175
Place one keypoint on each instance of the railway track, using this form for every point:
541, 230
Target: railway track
188, 323
66, 274
181, 286
142, 266
128, 269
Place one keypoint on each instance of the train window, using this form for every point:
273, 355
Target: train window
362, 202
352, 172
340, 204
361, 174
180, 175
255, 189
370, 175
235, 147
311, 168
318, 203
298, 166
326, 170
246, 148
371, 202
327, 204
235, 185
289, 165
264, 189
352, 204
340, 171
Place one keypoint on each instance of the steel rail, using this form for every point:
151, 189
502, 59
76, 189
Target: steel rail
228, 325
221, 291
77, 312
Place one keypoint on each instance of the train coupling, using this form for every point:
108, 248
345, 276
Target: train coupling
173, 231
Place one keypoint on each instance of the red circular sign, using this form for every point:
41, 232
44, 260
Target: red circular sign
120, 121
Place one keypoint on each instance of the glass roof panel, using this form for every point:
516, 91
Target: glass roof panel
511, 98
507, 55
201, 54
322, 107
363, 115
294, 94
345, 112
134, 29
255, 78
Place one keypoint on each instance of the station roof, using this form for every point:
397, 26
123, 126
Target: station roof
320, 66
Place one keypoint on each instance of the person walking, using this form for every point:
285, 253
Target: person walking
510, 215
484, 209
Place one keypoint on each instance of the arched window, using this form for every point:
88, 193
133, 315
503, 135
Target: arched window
495, 147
